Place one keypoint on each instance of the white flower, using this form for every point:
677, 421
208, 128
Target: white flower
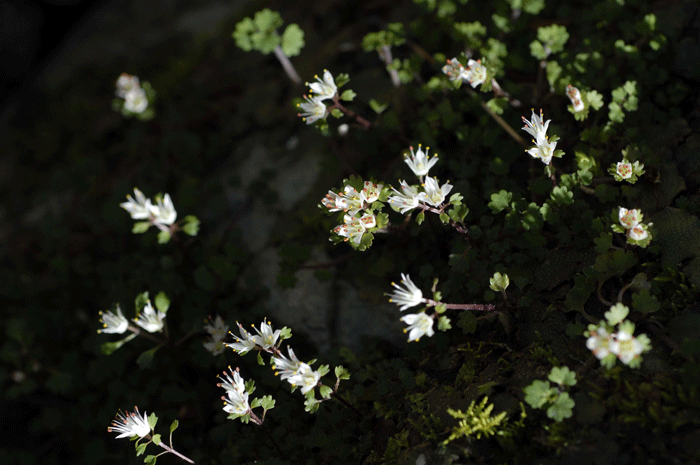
434, 194
140, 208
454, 70
544, 151
370, 192
236, 392
575, 97
136, 101
126, 83
353, 228
215, 346
629, 218
286, 367
476, 74
419, 324
113, 323
624, 169
406, 201
164, 212
313, 110
130, 424
149, 319
368, 220
626, 347
232, 383
638, 233
335, 202
304, 377
537, 128
267, 337
599, 343
407, 296
245, 343
216, 328
419, 161
325, 88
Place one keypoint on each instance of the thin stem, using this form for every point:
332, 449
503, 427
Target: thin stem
287, 65
478, 307
350, 113
501, 122
174, 452
385, 55
600, 295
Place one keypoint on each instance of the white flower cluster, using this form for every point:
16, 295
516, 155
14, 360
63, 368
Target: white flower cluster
113, 323
632, 226
149, 319
474, 73
313, 109
419, 324
544, 148
218, 330
608, 346
298, 374
134, 96
265, 340
237, 401
626, 171
359, 218
130, 424
141, 208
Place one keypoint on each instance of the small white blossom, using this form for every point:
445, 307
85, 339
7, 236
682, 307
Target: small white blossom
216, 328
543, 151
370, 192
325, 88
407, 296
149, 319
164, 212
575, 97
419, 161
113, 322
476, 74
406, 201
304, 377
638, 233
599, 343
419, 325
139, 208
286, 367
537, 128
126, 83
626, 347
245, 343
624, 169
130, 424
267, 338
454, 70
353, 228
235, 390
629, 218
313, 110
335, 202
136, 101
434, 194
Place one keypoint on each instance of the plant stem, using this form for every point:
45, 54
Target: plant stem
287, 65
478, 307
350, 113
501, 122
174, 452
385, 55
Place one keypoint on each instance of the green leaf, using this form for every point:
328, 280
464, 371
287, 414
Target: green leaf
467, 321
562, 195
325, 391
341, 372
499, 282
140, 448
174, 425
164, 237
616, 314
267, 403
603, 243
267, 20
377, 107
554, 37
109, 347
500, 201
420, 217
150, 459
162, 302
145, 360
141, 227
562, 376
444, 323
260, 359
140, 302
152, 420
323, 370
644, 302
191, 226
156, 439
348, 95
538, 393
562, 407
292, 40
